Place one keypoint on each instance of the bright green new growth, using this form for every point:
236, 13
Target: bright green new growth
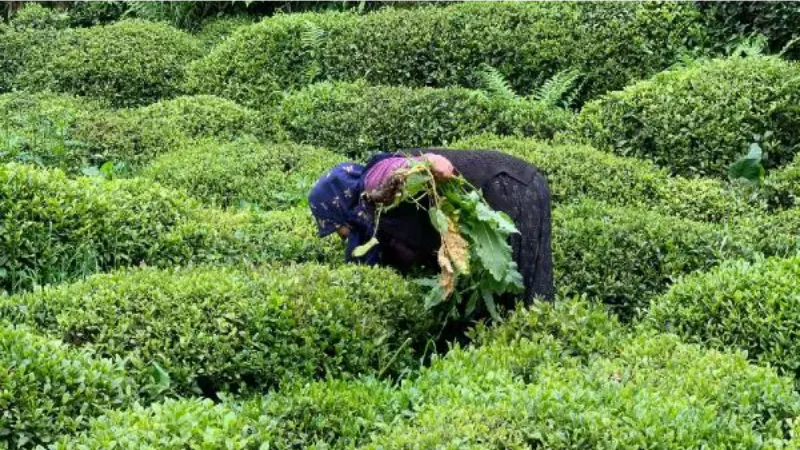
243, 172
751, 306
48, 389
223, 329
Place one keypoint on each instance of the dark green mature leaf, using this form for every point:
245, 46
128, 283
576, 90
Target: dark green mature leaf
748, 167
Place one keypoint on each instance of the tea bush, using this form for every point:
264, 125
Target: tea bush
129, 63
752, 306
74, 133
135, 136
782, 186
624, 256
574, 171
221, 329
520, 389
49, 390
170, 425
610, 43
43, 129
687, 120
245, 171
355, 118
218, 30
56, 229
653, 392
729, 21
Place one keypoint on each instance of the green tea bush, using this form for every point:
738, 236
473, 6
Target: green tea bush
729, 21
221, 329
43, 129
522, 388
49, 390
137, 135
56, 229
610, 43
574, 171
782, 186
624, 256
129, 63
245, 171
752, 306
687, 120
355, 118
74, 133
171, 425
218, 30
652, 392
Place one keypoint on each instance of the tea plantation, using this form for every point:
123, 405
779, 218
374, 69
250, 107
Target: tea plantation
162, 284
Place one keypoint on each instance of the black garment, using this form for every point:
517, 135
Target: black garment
509, 184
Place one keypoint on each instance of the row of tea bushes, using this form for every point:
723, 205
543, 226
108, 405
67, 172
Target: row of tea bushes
232, 330
527, 42
56, 229
127, 63
522, 388
73, 133
356, 118
48, 389
752, 306
697, 120
243, 172
574, 171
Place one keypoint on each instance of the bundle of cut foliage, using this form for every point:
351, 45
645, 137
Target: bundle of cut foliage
522, 387
610, 43
57, 229
48, 390
752, 306
355, 118
243, 172
688, 120
574, 171
127, 63
222, 329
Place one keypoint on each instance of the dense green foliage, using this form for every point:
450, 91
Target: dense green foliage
224, 329
688, 120
754, 307
609, 43
624, 256
355, 118
48, 389
56, 229
135, 136
777, 21
574, 171
522, 388
216, 31
244, 172
782, 186
128, 63
74, 133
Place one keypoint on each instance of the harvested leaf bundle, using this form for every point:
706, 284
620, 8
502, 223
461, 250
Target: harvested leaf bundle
475, 257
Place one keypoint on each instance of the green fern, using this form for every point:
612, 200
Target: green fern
560, 89
311, 38
495, 84
750, 47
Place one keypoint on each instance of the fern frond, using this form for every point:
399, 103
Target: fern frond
557, 88
493, 82
750, 46
311, 36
